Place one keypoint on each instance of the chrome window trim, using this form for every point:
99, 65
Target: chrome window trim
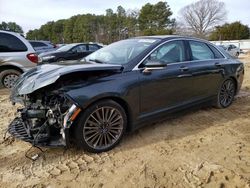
177, 39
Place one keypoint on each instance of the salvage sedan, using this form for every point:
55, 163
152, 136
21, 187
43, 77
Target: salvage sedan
91, 103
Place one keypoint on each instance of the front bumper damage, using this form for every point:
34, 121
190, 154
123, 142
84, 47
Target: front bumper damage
22, 131
48, 132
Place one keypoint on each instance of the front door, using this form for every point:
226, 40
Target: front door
169, 87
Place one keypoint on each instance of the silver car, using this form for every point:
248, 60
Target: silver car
16, 56
41, 46
231, 49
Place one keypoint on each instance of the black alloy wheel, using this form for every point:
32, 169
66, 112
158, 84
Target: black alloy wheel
226, 94
101, 126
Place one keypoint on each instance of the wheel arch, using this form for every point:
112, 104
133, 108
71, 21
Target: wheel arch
8, 67
235, 82
121, 102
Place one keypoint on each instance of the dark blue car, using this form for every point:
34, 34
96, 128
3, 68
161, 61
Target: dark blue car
121, 87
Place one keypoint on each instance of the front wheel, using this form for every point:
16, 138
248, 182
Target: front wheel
101, 127
226, 94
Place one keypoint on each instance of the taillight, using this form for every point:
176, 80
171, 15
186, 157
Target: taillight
33, 57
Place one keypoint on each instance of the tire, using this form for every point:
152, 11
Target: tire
94, 131
9, 77
226, 94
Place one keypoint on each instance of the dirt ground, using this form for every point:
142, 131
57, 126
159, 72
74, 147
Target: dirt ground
204, 148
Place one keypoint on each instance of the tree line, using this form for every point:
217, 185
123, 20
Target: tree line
203, 19
11, 26
113, 26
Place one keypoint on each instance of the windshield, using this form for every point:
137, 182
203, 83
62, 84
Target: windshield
120, 52
65, 48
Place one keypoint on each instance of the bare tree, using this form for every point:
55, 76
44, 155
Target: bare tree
203, 15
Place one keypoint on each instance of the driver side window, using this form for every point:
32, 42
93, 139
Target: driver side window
171, 52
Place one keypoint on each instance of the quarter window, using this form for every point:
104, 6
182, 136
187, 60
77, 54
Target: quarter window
200, 51
170, 52
217, 54
10, 43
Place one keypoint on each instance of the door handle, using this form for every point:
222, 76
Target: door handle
217, 64
184, 68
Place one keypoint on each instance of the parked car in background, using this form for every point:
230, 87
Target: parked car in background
119, 88
73, 51
60, 45
231, 49
42, 46
16, 56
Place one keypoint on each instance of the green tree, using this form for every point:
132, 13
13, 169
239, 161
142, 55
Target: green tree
11, 26
113, 26
233, 31
132, 22
121, 18
68, 29
155, 19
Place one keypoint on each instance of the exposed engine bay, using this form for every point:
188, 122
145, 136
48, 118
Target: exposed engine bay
45, 119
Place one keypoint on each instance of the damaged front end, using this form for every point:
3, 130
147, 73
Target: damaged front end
45, 119
49, 111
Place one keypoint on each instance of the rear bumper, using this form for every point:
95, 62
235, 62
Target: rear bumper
20, 130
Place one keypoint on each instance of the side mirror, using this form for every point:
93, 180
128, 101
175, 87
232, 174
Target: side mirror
154, 65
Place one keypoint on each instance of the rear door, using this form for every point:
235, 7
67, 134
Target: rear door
207, 69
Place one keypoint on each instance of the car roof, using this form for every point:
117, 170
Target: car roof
45, 41
11, 32
159, 36
169, 37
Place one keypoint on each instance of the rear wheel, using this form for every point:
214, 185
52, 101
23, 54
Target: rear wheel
226, 94
101, 126
9, 77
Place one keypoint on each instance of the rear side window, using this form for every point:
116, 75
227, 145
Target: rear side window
200, 51
217, 54
38, 44
10, 43
93, 47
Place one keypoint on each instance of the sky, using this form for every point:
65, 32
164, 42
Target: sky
31, 14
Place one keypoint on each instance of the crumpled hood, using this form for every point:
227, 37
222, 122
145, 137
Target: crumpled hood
47, 74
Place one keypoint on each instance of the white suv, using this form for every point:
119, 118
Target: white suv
16, 56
